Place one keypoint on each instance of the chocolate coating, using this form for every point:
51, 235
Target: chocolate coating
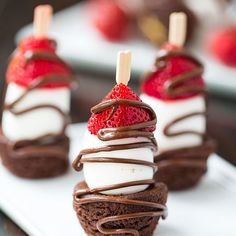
132, 214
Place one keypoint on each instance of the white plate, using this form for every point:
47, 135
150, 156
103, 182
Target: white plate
44, 207
82, 46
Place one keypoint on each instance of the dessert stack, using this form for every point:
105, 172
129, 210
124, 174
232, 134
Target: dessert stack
121, 19
176, 91
119, 194
33, 142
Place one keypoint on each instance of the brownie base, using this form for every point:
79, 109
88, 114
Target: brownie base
90, 213
35, 161
177, 170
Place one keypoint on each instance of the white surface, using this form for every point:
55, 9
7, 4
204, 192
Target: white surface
167, 111
105, 174
80, 44
37, 122
44, 207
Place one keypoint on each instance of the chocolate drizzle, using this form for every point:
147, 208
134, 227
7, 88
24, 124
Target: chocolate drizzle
173, 85
168, 133
45, 55
37, 83
108, 134
173, 88
156, 210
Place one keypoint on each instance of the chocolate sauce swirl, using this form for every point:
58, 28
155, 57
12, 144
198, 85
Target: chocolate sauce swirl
108, 134
168, 127
173, 87
36, 83
137, 130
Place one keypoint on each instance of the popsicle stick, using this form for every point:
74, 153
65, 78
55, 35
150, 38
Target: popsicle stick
42, 20
177, 28
123, 67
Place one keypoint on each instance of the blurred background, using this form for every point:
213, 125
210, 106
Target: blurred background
211, 36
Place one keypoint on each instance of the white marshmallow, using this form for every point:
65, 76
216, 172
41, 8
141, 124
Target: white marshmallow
104, 174
167, 111
37, 122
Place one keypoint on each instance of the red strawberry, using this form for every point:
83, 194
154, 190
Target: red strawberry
154, 85
123, 116
109, 19
31, 43
222, 44
24, 73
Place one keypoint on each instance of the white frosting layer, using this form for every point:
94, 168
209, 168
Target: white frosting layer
167, 111
37, 122
104, 174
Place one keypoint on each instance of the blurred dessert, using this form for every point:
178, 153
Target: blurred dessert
119, 195
176, 91
109, 19
33, 142
153, 19
222, 45
119, 19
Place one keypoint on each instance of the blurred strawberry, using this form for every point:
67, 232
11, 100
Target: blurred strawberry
109, 19
155, 83
24, 73
222, 44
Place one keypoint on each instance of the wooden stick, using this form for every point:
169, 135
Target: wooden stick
177, 28
123, 67
42, 20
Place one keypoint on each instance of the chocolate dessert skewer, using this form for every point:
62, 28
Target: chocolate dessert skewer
33, 143
180, 99
119, 195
